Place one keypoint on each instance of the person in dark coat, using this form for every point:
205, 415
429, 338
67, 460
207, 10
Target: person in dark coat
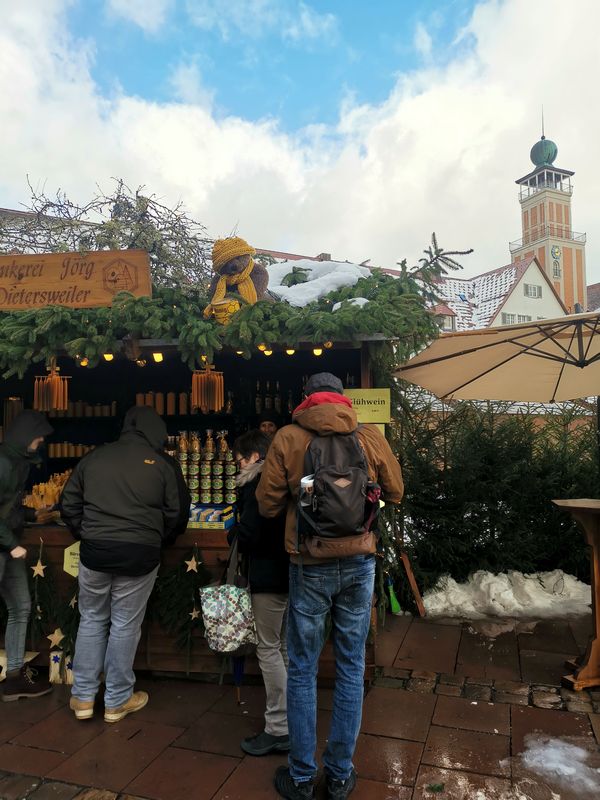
125, 501
18, 455
261, 541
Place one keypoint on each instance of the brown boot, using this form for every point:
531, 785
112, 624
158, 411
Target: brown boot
24, 682
84, 709
135, 703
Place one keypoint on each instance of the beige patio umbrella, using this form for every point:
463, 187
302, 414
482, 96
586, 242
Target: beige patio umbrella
545, 361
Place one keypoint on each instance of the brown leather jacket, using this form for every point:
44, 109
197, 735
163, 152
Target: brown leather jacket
284, 466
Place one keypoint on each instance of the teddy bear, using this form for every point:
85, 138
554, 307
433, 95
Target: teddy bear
235, 270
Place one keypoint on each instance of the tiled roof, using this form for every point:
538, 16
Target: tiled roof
476, 301
593, 297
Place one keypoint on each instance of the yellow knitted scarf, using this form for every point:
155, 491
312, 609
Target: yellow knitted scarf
244, 286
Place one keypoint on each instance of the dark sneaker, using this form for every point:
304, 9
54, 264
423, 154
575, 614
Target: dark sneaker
287, 787
24, 683
265, 743
340, 790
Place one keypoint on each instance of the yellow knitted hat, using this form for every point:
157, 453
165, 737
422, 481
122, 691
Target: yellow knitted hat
226, 249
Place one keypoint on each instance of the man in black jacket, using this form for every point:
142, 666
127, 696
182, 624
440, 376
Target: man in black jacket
124, 501
18, 455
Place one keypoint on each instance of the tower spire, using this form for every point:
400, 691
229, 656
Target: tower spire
543, 134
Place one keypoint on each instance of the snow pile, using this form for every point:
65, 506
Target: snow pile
563, 764
323, 277
544, 594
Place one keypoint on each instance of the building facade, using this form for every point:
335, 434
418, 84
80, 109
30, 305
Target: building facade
546, 223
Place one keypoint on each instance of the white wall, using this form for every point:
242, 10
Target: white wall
547, 306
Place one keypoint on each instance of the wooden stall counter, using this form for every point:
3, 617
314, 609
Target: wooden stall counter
158, 650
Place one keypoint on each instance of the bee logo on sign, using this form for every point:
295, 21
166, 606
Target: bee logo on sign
120, 276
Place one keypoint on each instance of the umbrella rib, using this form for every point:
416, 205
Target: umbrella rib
593, 330
576, 330
482, 374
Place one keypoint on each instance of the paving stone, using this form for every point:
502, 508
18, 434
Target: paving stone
542, 667
9, 730
458, 785
476, 692
429, 646
392, 761
514, 699
95, 794
451, 680
52, 790
424, 674
398, 713
114, 758
457, 712
568, 695
17, 787
579, 707
62, 732
595, 720
394, 672
553, 636
596, 707
548, 722
180, 774
512, 687
179, 703
28, 761
484, 753
546, 699
375, 790
449, 691
390, 683
537, 687
470, 681
595, 696
421, 686
219, 733
484, 658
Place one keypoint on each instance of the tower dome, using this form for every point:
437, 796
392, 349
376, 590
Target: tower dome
544, 152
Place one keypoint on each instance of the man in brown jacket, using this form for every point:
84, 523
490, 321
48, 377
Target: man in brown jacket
340, 587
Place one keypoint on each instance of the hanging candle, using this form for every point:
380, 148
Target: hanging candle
208, 390
51, 392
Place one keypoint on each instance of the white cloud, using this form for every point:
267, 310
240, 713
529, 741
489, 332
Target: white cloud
148, 14
292, 20
423, 41
441, 153
186, 82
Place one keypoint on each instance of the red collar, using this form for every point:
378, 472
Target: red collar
321, 398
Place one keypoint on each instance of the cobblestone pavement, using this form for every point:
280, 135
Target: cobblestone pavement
456, 711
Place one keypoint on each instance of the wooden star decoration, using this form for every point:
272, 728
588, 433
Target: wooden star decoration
73, 602
195, 613
56, 637
192, 565
38, 570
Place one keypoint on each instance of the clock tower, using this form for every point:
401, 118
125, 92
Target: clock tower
545, 198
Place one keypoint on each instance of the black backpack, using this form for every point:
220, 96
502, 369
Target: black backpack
334, 520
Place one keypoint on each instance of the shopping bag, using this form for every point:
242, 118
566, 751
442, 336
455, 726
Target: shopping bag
227, 611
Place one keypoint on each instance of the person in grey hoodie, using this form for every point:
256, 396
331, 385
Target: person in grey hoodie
125, 501
18, 454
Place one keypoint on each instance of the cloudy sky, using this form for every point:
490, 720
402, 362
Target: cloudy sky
350, 127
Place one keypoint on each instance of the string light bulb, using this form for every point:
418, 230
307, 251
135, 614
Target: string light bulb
268, 352
327, 345
239, 352
262, 347
158, 357
317, 351
108, 356
141, 362
290, 351
83, 362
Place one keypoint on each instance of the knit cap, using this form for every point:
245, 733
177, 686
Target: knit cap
225, 250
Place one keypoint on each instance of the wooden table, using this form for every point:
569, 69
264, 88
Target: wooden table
587, 514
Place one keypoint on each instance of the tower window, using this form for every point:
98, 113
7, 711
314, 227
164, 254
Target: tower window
532, 290
556, 270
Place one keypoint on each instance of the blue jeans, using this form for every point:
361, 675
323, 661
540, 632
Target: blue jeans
344, 588
15, 591
112, 609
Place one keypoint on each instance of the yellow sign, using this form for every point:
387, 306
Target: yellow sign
77, 280
371, 405
71, 560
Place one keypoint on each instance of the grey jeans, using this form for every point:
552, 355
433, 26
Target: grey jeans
270, 619
15, 591
112, 608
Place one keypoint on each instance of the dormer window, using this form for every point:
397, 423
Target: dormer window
532, 290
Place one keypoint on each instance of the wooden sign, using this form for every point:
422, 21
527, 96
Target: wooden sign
77, 280
371, 405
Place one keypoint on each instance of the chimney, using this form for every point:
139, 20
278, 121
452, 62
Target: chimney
324, 257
